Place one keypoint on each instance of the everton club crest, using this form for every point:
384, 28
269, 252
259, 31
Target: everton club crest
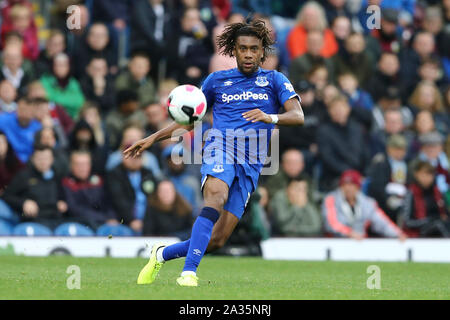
261, 81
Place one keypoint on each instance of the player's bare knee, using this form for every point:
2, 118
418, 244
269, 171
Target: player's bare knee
214, 196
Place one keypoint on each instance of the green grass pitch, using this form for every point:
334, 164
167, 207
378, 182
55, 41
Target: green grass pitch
221, 278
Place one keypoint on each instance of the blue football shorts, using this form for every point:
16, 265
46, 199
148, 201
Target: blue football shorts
240, 183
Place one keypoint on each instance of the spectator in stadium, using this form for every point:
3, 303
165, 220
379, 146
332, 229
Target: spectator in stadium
129, 186
91, 114
112, 12
21, 21
425, 213
390, 99
387, 36
168, 213
10, 164
20, 127
47, 137
311, 17
137, 78
35, 90
422, 48
301, 65
433, 22
36, 191
62, 88
151, 27
432, 151
127, 111
427, 96
319, 77
340, 143
360, 100
348, 212
130, 135
386, 75
8, 95
83, 138
55, 44
85, 194
43, 115
303, 137
98, 85
13, 68
186, 183
431, 70
387, 176
292, 165
190, 52
353, 58
341, 27
97, 43
424, 123
335, 8
293, 212
393, 124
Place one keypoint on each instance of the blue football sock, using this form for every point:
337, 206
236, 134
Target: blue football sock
200, 236
176, 250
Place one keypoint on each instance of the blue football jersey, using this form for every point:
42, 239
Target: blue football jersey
230, 93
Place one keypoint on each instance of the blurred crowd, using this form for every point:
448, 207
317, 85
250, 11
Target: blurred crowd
370, 161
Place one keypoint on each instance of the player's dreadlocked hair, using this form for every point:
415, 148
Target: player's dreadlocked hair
257, 28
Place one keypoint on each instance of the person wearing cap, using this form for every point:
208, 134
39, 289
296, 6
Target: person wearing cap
432, 151
394, 123
387, 35
388, 176
425, 213
348, 213
390, 99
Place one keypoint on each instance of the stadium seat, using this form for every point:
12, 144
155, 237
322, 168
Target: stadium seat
30, 229
5, 228
73, 230
114, 230
7, 214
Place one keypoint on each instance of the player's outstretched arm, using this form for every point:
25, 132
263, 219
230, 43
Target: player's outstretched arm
143, 144
292, 117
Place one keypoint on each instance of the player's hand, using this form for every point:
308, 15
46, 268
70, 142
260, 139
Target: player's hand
256, 115
136, 149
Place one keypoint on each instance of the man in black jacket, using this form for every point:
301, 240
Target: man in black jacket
129, 185
36, 191
341, 144
85, 193
387, 176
